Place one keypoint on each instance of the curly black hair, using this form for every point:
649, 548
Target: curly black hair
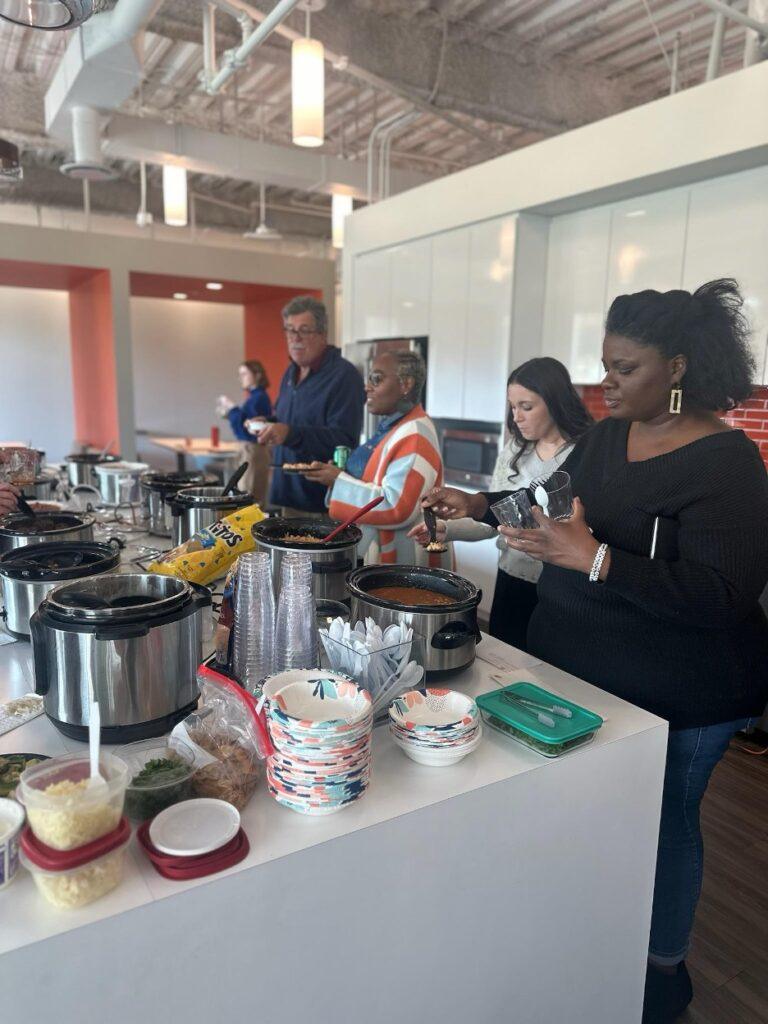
708, 327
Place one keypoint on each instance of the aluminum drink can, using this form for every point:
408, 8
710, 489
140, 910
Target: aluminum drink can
340, 455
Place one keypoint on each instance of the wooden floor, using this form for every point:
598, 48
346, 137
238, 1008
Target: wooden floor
729, 955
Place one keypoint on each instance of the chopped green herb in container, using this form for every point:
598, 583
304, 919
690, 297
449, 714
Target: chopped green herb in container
570, 727
161, 775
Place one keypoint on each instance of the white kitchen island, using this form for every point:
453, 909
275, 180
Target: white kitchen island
508, 888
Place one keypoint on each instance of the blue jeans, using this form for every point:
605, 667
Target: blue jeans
692, 755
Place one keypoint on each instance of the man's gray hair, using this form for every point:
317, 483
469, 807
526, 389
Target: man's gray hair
411, 365
308, 304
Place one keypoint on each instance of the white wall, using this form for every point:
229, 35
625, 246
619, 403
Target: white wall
36, 397
185, 354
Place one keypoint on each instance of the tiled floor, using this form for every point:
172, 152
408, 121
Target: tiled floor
729, 956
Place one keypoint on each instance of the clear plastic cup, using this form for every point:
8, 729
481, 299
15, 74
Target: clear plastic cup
296, 569
253, 641
72, 815
554, 495
296, 639
515, 510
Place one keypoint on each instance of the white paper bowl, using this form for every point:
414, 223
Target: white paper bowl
433, 709
435, 757
324, 703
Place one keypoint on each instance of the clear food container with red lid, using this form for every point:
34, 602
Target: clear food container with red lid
74, 878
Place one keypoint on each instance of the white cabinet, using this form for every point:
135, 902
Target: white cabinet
647, 243
728, 237
372, 307
489, 319
409, 283
574, 304
448, 312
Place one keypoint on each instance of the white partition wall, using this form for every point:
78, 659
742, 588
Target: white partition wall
36, 403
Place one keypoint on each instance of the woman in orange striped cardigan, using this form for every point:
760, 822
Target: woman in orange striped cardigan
401, 462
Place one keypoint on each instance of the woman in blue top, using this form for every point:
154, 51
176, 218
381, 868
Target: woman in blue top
254, 381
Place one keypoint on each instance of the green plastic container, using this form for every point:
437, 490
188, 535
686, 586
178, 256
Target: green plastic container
519, 725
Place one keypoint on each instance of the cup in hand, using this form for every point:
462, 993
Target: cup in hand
554, 495
515, 510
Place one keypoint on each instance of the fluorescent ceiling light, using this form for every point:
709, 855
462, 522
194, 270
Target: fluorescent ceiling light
180, 295
214, 286
175, 195
341, 207
47, 14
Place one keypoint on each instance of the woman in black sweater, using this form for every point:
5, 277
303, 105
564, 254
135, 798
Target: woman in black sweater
656, 599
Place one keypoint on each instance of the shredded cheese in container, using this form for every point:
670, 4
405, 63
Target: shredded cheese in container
83, 885
71, 820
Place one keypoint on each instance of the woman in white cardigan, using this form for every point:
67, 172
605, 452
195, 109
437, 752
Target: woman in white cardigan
545, 418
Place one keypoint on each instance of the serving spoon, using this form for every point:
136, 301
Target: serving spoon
353, 518
430, 521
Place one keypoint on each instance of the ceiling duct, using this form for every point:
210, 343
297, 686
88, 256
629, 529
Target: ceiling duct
50, 15
86, 138
10, 164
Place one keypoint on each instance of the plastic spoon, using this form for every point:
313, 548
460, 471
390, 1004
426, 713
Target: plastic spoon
97, 785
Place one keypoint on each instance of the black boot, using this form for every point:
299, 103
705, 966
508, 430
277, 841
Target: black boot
666, 995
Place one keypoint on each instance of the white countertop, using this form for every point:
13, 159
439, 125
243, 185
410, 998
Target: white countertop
398, 787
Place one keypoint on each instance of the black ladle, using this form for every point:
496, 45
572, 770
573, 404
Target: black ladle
25, 507
234, 480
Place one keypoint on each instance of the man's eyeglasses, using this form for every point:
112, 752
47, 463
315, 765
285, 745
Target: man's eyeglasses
300, 332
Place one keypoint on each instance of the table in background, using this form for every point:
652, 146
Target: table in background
199, 447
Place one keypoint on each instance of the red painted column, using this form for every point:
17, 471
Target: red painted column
94, 381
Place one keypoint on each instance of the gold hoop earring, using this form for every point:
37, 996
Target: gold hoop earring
676, 400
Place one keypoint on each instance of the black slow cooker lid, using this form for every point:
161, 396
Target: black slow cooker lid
20, 524
463, 594
92, 458
165, 482
277, 533
49, 563
210, 497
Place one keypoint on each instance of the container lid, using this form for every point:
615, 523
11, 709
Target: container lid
92, 458
165, 482
194, 827
58, 561
118, 596
48, 859
118, 468
463, 594
19, 524
278, 533
564, 730
187, 868
211, 497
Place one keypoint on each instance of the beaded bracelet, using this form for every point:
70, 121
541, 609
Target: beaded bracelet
594, 572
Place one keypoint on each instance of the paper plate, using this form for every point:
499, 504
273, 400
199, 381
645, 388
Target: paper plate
431, 709
194, 827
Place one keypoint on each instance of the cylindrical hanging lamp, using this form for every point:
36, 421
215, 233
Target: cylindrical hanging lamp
46, 14
175, 195
308, 92
341, 207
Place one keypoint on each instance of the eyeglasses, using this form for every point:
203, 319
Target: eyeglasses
301, 332
375, 378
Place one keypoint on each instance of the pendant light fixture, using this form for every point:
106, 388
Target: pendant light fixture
341, 207
263, 232
47, 14
308, 84
175, 195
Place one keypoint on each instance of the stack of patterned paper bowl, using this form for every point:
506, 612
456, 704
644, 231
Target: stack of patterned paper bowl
435, 727
321, 731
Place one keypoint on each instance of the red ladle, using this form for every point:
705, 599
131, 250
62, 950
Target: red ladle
353, 519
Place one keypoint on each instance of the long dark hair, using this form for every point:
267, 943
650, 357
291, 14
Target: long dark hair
548, 378
260, 378
708, 327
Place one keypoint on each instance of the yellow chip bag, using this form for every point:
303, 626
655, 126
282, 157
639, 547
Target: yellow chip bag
209, 553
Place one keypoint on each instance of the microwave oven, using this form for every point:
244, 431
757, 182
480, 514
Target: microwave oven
469, 455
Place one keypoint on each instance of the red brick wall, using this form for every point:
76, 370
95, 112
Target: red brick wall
752, 417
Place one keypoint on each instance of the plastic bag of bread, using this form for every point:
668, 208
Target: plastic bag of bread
211, 552
228, 739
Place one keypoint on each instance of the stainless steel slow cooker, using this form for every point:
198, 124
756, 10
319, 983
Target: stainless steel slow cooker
135, 638
28, 574
43, 488
195, 508
19, 529
451, 630
330, 562
118, 482
80, 467
157, 488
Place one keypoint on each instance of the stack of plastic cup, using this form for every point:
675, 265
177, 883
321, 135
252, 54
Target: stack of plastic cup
253, 647
296, 570
296, 643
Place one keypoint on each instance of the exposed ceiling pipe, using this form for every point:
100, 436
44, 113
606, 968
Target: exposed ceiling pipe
716, 47
407, 119
384, 148
143, 218
372, 139
735, 15
86, 141
375, 81
209, 42
234, 59
674, 83
754, 52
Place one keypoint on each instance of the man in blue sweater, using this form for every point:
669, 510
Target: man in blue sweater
320, 406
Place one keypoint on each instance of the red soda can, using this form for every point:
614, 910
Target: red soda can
214, 437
